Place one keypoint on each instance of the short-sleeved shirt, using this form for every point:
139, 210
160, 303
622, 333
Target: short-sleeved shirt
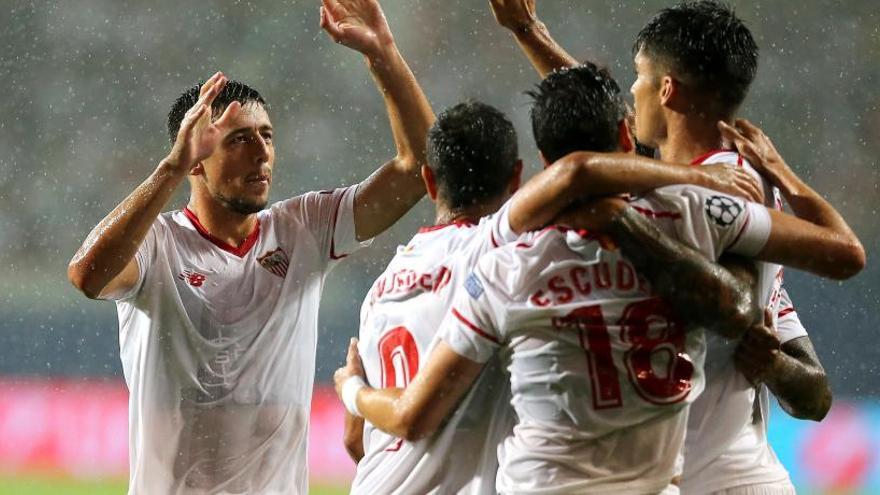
218, 347
601, 369
400, 317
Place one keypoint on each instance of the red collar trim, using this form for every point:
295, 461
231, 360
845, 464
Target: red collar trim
702, 158
460, 223
239, 251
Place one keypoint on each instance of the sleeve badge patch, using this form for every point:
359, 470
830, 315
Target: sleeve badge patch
723, 210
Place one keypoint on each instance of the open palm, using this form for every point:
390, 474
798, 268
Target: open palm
357, 24
199, 136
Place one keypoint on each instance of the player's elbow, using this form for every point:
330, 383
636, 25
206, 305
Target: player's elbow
852, 260
412, 427
817, 408
83, 278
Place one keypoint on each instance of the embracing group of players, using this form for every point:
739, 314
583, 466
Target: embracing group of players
622, 348
612, 325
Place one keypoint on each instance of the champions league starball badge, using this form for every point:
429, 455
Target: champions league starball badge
723, 210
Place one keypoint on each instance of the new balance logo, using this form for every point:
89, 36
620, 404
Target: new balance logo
195, 279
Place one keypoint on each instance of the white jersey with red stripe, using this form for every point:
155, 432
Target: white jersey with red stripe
399, 321
725, 445
601, 369
218, 348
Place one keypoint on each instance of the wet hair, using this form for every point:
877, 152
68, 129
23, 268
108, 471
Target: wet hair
233, 91
705, 43
472, 151
576, 109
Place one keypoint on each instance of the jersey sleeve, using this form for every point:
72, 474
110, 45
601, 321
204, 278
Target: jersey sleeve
329, 216
144, 257
472, 325
707, 220
500, 231
788, 325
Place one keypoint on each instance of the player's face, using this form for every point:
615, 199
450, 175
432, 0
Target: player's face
239, 173
650, 126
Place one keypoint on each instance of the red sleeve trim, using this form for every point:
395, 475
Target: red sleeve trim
657, 214
784, 312
473, 327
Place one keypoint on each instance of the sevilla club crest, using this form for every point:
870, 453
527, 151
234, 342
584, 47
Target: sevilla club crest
275, 261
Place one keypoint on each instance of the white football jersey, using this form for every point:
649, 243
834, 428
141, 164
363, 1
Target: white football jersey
601, 369
399, 321
724, 448
218, 348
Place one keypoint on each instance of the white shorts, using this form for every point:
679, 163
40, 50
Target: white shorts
783, 487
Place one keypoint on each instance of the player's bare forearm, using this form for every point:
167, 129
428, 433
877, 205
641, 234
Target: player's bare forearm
545, 54
112, 244
799, 382
703, 292
829, 255
353, 437
582, 175
397, 186
393, 189
829, 235
419, 410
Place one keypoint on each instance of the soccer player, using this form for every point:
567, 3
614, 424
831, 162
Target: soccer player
218, 302
695, 62
601, 369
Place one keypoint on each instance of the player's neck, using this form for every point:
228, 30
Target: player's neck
689, 137
221, 222
473, 214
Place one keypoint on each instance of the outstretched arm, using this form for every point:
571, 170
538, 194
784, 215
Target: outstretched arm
397, 186
531, 35
582, 175
104, 265
417, 411
836, 250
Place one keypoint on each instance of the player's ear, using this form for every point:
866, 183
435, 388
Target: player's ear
430, 182
668, 90
544, 160
625, 141
516, 176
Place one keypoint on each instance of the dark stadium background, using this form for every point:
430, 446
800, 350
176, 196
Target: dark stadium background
86, 86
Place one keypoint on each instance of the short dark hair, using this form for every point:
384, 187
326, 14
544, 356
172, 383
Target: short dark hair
577, 109
233, 91
472, 150
706, 42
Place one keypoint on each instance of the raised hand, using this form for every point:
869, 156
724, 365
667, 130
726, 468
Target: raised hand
514, 14
198, 137
758, 149
357, 24
734, 180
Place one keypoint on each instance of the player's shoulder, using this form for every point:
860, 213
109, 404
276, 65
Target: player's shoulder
515, 264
